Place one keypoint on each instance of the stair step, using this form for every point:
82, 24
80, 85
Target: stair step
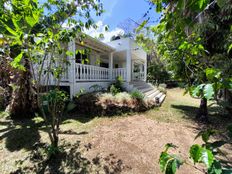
144, 87
158, 96
144, 90
150, 92
140, 85
153, 95
161, 99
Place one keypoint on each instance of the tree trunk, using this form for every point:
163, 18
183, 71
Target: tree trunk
203, 111
23, 103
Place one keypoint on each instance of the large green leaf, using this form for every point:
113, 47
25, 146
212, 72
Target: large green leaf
205, 135
230, 47
203, 3
169, 163
201, 155
16, 63
30, 20
208, 91
212, 73
195, 152
207, 157
197, 91
216, 168
10, 30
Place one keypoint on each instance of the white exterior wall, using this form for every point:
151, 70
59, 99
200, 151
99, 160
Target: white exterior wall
120, 45
87, 85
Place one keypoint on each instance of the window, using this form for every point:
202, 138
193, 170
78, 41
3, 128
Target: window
105, 65
116, 66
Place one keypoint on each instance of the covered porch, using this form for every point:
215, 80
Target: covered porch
104, 63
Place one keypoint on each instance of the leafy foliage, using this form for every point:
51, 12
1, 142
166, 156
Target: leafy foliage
169, 163
114, 90
206, 153
192, 39
34, 39
137, 95
117, 86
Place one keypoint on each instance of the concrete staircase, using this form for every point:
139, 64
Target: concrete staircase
150, 92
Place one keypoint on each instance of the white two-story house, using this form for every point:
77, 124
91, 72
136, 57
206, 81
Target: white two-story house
103, 63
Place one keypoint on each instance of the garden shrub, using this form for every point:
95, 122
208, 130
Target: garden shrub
123, 97
117, 86
137, 95
97, 104
119, 83
82, 91
114, 90
162, 88
55, 100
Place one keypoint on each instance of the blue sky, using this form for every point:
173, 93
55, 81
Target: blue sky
119, 10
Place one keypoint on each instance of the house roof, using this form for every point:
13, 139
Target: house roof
96, 45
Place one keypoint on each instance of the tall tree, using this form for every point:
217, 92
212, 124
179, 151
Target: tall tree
28, 26
194, 38
35, 34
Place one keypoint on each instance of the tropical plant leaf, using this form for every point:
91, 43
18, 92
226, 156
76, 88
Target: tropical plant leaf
16, 62
10, 30
195, 152
205, 135
201, 155
208, 91
197, 91
230, 47
30, 20
207, 157
216, 168
169, 163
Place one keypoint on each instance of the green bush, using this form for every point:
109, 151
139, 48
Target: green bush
82, 91
162, 88
117, 86
119, 82
114, 90
55, 102
137, 95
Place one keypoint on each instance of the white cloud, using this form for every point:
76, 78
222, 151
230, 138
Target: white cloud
101, 30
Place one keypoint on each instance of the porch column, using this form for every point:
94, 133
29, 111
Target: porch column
71, 58
145, 70
111, 66
128, 65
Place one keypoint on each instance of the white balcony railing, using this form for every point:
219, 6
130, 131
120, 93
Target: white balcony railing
91, 73
138, 76
119, 72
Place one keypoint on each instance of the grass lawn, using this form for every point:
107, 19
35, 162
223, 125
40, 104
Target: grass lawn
121, 144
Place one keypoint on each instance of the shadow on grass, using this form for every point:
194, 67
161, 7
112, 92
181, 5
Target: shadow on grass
217, 117
18, 135
70, 160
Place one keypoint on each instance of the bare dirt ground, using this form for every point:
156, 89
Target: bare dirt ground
132, 145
